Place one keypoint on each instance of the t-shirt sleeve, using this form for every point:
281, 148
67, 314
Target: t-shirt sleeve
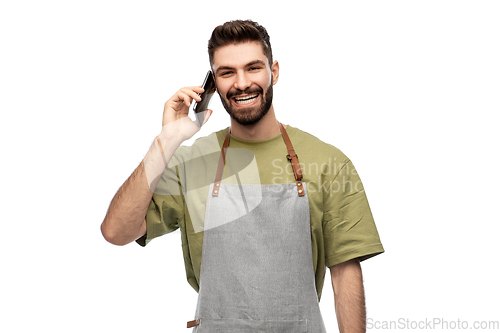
165, 211
348, 225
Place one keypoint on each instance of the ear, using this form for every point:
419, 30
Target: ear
275, 71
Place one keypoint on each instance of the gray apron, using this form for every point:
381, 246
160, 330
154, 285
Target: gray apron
257, 271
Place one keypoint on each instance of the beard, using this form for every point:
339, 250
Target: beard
250, 115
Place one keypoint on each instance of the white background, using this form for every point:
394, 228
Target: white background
407, 89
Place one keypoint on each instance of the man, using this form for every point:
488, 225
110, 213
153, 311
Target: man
269, 224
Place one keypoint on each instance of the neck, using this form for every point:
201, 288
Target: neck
265, 128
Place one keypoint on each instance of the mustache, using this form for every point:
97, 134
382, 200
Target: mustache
247, 91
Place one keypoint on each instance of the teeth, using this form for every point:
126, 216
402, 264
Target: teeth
246, 99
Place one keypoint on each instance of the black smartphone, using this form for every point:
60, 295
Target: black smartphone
199, 107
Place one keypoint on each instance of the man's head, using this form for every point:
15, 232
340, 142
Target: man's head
239, 31
241, 60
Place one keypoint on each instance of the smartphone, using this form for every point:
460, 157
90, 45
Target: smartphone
199, 107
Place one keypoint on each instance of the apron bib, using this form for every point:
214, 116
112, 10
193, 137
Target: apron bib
257, 271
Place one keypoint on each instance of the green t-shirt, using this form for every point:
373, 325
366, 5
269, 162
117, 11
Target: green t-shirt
342, 226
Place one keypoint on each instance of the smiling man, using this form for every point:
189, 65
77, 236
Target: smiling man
240, 84
283, 206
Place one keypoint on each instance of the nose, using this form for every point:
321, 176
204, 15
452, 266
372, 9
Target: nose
242, 81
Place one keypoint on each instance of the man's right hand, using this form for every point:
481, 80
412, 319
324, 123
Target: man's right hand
176, 122
124, 222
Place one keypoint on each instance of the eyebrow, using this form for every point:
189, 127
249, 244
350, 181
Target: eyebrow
251, 63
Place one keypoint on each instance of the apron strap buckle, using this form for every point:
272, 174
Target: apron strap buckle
297, 170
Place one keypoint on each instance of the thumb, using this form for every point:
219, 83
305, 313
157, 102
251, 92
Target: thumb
208, 113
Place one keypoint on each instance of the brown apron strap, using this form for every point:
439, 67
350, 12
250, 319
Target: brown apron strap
193, 323
292, 157
294, 160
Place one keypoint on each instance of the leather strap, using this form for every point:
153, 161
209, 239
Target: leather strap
294, 160
193, 323
292, 157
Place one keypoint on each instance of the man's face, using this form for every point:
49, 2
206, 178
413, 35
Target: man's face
244, 81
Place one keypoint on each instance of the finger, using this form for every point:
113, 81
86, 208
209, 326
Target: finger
193, 93
183, 97
197, 89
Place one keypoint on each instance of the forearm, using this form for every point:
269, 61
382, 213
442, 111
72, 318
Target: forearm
124, 221
349, 297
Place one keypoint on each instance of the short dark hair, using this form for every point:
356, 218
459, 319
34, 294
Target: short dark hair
239, 31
